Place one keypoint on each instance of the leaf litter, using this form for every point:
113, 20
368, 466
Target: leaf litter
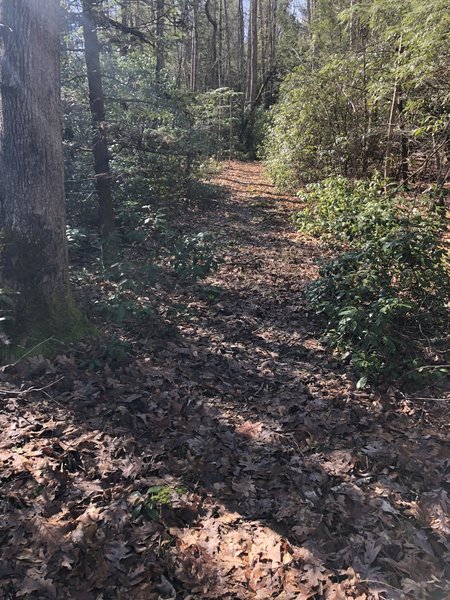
232, 458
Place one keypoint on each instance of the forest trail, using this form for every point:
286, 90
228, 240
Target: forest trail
270, 476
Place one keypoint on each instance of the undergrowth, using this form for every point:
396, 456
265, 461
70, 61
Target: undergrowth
154, 252
385, 293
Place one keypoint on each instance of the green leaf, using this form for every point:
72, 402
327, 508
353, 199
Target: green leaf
362, 382
151, 513
155, 489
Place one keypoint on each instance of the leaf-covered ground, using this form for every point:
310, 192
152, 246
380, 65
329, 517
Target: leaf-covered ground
231, 457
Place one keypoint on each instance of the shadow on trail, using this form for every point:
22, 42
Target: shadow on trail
293, 484
352, 485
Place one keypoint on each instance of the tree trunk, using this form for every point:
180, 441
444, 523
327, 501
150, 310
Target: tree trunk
389, 158
404, 150
160, 62
309, 14
241, 34
126, 21
220, 46
194, 46
99, 138
242, 84
273, 10
214, 63
253, 52
34, 263
228, 43
252, 79
263, 38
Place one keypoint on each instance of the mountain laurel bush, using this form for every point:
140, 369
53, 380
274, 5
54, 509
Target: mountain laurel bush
385, 294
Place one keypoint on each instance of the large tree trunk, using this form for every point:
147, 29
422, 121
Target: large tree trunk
34, 263
99, 138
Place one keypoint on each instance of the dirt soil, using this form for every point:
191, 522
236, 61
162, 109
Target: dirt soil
231, 459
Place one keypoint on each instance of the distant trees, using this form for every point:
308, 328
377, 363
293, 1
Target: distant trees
34, 263
370, 92
195, 46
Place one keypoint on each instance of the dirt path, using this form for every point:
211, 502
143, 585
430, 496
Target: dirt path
275, 478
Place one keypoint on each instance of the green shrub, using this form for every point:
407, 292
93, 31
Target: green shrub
126, 290
194, 257
385, 296
82, 242
154, 500
344, 210
318, 126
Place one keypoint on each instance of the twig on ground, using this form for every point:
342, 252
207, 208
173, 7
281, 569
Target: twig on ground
30, 389
30, 351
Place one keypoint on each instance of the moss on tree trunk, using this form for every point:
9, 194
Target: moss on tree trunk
42, 306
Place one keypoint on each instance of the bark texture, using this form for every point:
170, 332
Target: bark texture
98, 114
34, 263
214, 61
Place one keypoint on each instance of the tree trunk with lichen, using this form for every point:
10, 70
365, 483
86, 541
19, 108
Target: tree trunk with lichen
34, 262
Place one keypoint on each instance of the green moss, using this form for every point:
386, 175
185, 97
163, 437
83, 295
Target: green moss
161, 495
39, 318
154, 501
61, 323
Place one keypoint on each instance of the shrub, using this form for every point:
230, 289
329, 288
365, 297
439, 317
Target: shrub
194, 257
125, 293
343, 210
319, 125
385, 296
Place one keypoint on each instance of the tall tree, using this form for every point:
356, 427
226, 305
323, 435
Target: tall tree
194, 47
160, 9
34, 263
99, 138
252, 52
241, 46
211, 16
